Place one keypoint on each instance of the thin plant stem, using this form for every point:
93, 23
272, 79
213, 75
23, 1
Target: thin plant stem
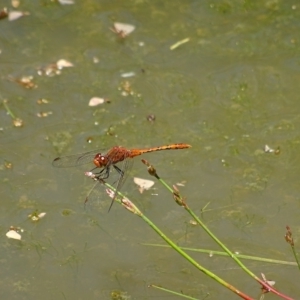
172, 292
134, 209
9, 111
242, 256
290, 240
180, 201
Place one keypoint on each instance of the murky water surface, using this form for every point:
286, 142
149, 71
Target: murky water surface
229, 91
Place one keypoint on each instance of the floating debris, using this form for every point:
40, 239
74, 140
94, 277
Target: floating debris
143, 184
42, 101
268, 149
193, 222
151, 118
50, 70
35, 216
89, 139
129, 74
55, 68
13, 233
122, 29
62, 63
8, 165
44, 114
14, 15
3, 13
96, 101
95, 60
65, 2
176, 45
271, 283
126, 88
16, 121
25, 81
15, 3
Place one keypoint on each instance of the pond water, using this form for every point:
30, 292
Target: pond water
231, 91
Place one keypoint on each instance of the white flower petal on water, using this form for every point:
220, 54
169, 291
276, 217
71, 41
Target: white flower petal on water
267, 149
14, 15
126, 29
41, 215
62, 63
128, 74
143, 184
11, 234
96, 101
66, 2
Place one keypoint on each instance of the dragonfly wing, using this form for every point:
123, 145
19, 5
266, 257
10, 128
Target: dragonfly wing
94, 195
75, 159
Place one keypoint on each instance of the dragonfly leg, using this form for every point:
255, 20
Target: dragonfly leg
119, 170
103, 174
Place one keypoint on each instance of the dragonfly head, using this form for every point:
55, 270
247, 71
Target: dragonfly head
100, 160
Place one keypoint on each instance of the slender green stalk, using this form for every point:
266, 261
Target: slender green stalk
180, 201
234, 256
220, 253
296, 257
16, 121
9, 111
134, 209
172, 292
290, 240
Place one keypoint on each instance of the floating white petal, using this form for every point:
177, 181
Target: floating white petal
96, 101
144, 184
41, 215
14, 15
129, 74
125, 28
66, 2
62, 63
11, 234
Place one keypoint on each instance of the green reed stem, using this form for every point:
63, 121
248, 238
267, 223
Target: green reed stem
9, 111
220, 253
296, 257
134, 209
172, 292
180, 201
290, 240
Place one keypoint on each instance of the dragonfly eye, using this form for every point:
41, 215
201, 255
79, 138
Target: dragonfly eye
100, 160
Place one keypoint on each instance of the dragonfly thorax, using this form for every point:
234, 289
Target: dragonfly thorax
100, 160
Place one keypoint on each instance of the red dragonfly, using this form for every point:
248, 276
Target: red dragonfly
104, 162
